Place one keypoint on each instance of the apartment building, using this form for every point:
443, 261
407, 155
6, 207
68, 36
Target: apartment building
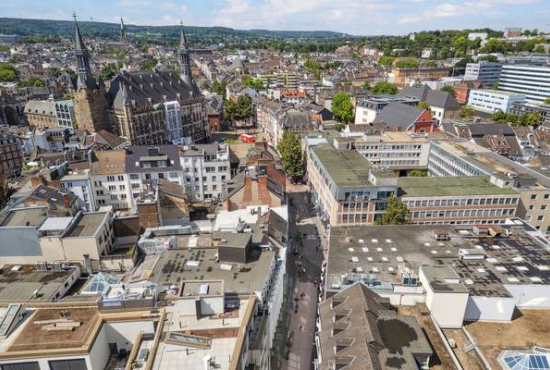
146, 165
405, 77
287, 80
205, 170
366, 110
11, 156
459, 158
457, 200
532, 81
110, 181
344, 189
486, 72
80, 184
491, 101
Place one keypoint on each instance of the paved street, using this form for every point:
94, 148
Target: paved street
308, 256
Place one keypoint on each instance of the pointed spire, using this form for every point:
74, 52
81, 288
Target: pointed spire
79, 43
183, 38
83, 70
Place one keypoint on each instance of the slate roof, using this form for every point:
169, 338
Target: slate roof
139, 86
169, 154
7, 99
46, 108
434, 98
296, 120
398, 115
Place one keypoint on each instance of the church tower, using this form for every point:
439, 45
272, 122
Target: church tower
123, 32
90, 102
185, 63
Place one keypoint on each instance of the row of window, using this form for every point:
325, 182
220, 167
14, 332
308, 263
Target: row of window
459, 202
464, 213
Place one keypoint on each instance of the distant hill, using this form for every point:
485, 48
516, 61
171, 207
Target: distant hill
201, 35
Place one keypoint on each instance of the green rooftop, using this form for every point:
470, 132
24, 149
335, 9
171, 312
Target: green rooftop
345, 167
449, 186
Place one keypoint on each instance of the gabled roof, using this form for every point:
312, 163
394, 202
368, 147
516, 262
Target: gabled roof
434, 98
398, 115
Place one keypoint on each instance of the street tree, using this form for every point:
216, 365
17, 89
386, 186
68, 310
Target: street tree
396, 213
342, 108
291, 155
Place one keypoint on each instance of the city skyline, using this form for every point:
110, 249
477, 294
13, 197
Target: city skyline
356, 17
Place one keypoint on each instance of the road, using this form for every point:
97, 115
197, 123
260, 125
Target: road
309, 256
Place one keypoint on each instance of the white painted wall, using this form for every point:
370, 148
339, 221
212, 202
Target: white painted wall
124, 333
530, 296
99, 353
490, 309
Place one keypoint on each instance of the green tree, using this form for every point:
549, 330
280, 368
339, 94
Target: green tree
109, 71
366, 85
148, 64
539, 49
488, 58
384, 88
448, 88
342, 108
547, 100
4, 49
467, 112
8, 73
239, 110
254, 83
291, 155
501, 117
425, 106
386, 60
494, 86
219, 87
31, 82
396, 213
418, 173
529, 119
407, 63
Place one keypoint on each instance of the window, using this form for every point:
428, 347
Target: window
134, 176
110, 178
21, 366
540, 218
122, 187
79, 364
112, 187
543, 207
534, 196
135, 186
120, 178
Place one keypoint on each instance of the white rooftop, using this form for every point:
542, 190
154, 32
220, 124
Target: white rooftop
56, 224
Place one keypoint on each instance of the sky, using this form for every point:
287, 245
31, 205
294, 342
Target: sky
357, 17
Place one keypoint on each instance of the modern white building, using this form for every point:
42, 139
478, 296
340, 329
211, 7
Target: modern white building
80, 184
110, 181
205, 169
533, 81
64, 111
486, 72
491, 101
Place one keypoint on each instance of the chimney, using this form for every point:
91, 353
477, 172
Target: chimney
66, 200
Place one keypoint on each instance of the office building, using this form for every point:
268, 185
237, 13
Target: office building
532, 81
491, 101
343, 187
486, 72
368, 109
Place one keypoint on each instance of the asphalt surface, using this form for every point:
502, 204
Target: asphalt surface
305, 266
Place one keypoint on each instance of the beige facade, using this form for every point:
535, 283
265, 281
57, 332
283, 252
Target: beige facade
90, 108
